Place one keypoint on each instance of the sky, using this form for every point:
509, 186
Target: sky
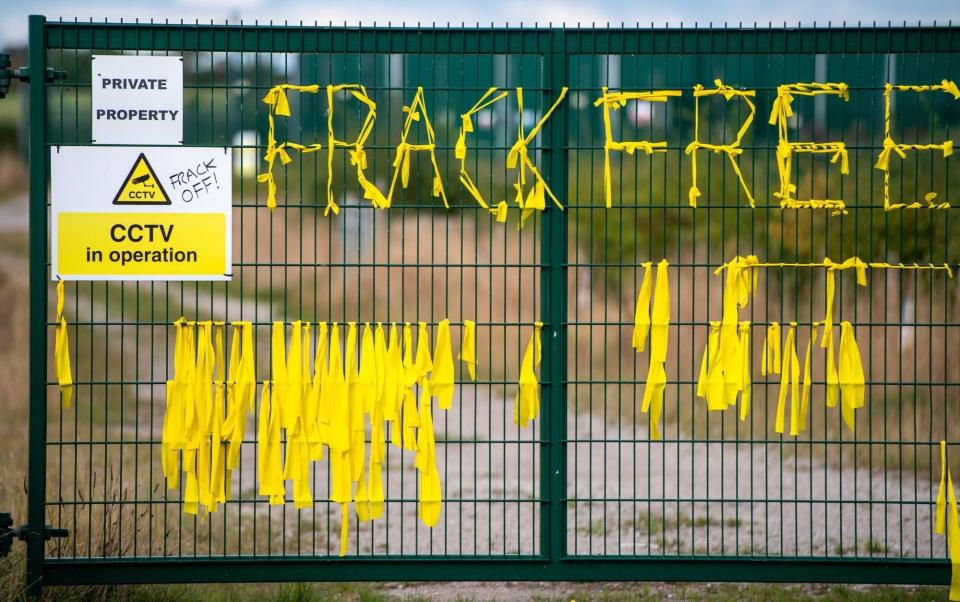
13, 17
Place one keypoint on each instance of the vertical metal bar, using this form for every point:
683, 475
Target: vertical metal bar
553, 309
38, 307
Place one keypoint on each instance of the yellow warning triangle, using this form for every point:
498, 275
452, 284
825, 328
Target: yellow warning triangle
141, 186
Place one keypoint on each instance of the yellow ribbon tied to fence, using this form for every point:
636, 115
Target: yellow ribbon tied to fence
61, 353
733, 149
710, 381
489, 98
316, 425
890, 146
660, 328
526, 404
358, 156
270, 473
335, 409
789, 382
173, 433
468, 348
393, 385
770, 361
410, 420
518, 157
241, 391
426, 461
641, 317
366, 392
441, 380
851, 377
948, 523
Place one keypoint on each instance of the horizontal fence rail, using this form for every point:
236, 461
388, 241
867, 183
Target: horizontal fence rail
588, 490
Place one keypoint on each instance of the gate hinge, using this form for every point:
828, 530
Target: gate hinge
8, 533
8, 74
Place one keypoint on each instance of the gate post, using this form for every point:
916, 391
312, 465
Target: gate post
36, 482
553, 309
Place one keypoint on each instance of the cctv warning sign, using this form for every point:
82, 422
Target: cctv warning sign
141, 186
152, 213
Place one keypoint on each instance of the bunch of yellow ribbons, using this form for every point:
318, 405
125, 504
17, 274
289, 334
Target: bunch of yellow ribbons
195, 430
323, 402
659, 329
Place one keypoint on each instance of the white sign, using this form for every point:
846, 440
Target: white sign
137, 99
140, 213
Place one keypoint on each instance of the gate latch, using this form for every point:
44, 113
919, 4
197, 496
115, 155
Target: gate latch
8, 533
7, 74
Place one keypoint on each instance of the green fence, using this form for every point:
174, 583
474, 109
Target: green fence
585, 493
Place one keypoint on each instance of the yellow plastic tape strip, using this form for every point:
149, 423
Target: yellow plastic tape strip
526, 404
641, 317
468, 348
949, 525
779, 115
852, 387
770, 363
890, 146
653, 396
411, 418
660, 323
807, 379
431, 498
489, 98
789, 382
316, 428
355, 150
61, 353
401, 164
616, 101
733, 149
441, 380
710, 382
746, 381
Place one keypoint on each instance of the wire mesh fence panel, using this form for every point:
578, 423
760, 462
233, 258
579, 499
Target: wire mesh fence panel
588, 490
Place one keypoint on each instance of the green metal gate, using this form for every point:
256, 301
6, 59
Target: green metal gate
585, 494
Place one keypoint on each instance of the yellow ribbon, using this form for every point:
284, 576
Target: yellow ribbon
393, 384
733, 149
949, 524
430, 495
789, 380
441, 380
745, 379
357, 449
335, 408
526, 404
781, 112
276, 99
317, 423
641, 318
401, 164
852, 385
489, 98
214, 438
61, 353
770, 364
178, 389
890, 146
616, 101
358, 156
710, 383
410, 420
660, 329
468, 348
270, 473
807, 380
518, 157
241, 391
